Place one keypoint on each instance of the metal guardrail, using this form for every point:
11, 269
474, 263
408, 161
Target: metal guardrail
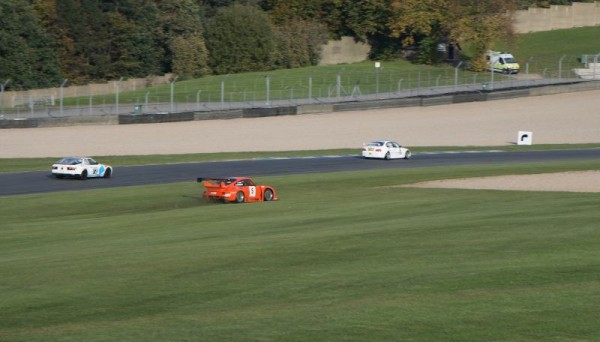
336, 93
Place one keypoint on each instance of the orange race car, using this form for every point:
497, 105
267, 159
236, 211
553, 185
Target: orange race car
236, 189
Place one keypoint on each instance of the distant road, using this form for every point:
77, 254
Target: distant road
42, 181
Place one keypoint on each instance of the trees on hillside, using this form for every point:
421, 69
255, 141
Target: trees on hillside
355, 18
298, 43
427, 23
190, 56
101, 40
481, 23
240, 38
393, 25
44, 41
26, 55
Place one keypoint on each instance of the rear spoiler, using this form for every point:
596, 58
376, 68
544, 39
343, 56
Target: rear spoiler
203, 179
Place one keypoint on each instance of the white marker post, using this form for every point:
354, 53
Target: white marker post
525, 138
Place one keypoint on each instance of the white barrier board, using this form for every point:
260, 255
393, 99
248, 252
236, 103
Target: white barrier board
525, 138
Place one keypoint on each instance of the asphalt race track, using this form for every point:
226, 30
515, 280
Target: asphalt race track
43, 181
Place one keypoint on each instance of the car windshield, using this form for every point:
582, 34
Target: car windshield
510, 60
69, 161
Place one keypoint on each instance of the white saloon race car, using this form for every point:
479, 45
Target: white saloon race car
384, 149
80, 167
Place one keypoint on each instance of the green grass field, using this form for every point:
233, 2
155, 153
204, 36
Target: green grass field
342, 256
543, 51
554, 44
290, 84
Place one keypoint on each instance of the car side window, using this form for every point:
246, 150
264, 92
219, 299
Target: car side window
245, 182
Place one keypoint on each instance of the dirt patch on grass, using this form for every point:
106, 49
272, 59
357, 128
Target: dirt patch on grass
581, 181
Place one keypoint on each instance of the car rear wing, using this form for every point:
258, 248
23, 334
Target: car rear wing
214, 182
207, 179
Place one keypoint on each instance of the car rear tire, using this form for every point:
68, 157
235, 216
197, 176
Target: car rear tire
388, 156
268, 196
239, 197
83, 175
407, 155
107, 173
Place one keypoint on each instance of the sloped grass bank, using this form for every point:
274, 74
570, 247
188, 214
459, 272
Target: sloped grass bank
341, 256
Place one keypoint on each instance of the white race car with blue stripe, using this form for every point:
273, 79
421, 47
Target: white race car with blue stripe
81, 167
385, 149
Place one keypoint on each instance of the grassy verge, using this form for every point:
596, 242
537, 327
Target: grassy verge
286, 84
341, 256
40, 164
552, 45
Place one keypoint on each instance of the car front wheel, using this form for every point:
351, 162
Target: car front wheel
407, 155
107, 173
268, 195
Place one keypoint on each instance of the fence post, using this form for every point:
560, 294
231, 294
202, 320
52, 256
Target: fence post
595, 64
2, 86
223, 91
527, 69
117, 84
198, 99
173, 93
62, 86
456, 75
377, 67
268, 85
560, 67
492, 77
